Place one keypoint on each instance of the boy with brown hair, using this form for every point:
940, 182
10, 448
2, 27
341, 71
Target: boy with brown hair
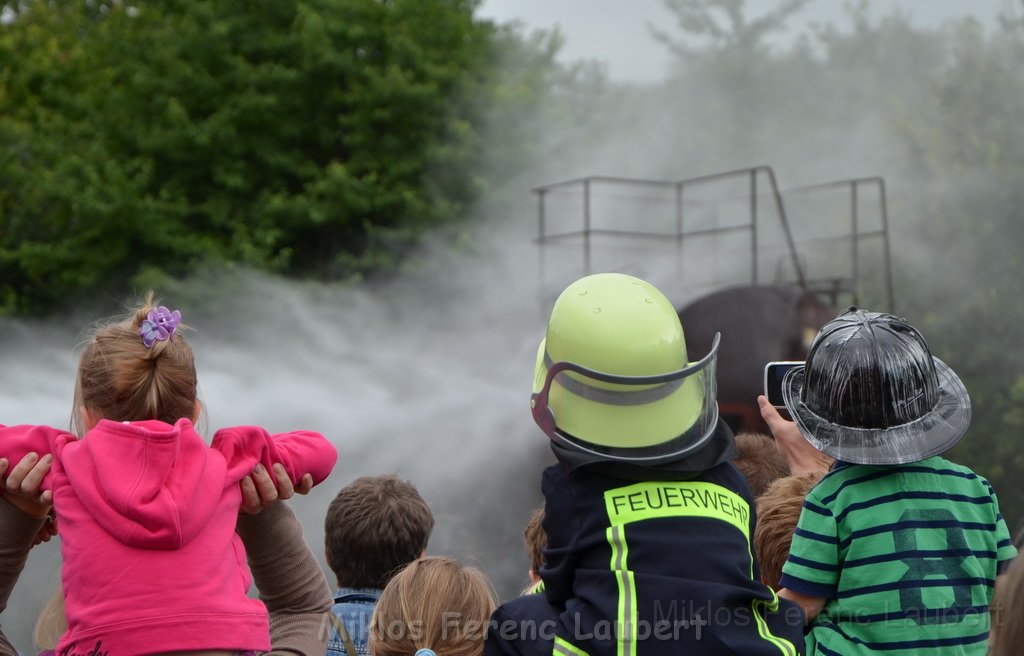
375, 526
759, 461
778, 510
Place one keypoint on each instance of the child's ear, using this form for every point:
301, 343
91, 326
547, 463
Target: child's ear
198, 410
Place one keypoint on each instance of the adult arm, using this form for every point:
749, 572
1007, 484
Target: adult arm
290, 581
18, 529
797, 451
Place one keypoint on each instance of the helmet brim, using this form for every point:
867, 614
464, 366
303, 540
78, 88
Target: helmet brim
930, 435
669, 420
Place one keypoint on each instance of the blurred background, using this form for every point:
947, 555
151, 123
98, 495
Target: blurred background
341, 197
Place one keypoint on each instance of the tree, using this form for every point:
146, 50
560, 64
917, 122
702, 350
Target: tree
308, 137
724, 25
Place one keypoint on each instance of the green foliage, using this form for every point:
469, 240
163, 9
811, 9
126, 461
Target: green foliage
965, 140
310, 137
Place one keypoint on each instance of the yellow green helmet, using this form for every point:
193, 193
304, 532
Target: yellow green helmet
612, 375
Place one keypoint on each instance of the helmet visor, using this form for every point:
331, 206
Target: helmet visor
649, 419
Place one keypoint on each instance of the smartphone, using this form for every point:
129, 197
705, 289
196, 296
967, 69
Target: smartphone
774, 372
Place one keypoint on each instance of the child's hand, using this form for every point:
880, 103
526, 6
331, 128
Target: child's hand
259, 490
810, 605
23, 484
798, 452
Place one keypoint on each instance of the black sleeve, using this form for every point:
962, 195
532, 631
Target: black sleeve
561, 524
501, 634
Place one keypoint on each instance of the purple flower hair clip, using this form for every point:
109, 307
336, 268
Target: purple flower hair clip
159, 325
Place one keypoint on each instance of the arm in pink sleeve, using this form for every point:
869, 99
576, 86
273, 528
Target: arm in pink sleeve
301, 452
17, 441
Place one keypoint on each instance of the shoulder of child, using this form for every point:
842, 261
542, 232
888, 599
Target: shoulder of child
17, 441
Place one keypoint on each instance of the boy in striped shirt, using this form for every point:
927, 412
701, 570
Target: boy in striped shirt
897, 549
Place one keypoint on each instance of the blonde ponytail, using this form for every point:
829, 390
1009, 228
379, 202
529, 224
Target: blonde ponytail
122, 379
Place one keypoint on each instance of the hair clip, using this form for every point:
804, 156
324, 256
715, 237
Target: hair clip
425, 652
159, 325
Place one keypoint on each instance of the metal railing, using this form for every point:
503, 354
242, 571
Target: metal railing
857, 234
833, 286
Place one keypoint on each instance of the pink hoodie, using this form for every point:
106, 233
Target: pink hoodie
147, 516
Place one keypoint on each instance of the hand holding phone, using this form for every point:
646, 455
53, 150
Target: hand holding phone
774, 372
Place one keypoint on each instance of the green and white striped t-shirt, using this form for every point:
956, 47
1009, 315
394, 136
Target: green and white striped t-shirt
907, 556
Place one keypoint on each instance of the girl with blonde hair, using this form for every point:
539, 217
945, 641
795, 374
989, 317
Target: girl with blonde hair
147, 510
435, 606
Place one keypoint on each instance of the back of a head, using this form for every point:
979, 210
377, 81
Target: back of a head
778, 511
129, 372
759, 461
375, 526
1008, 612
434, 603
51, 623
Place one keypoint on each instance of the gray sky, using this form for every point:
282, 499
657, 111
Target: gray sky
616, 32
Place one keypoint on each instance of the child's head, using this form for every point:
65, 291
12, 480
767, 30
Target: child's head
535, 539
759, 461
778, 510
374, 527
136, 368
613, 378
51, 623
871, 393
434, 603
1008, 612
